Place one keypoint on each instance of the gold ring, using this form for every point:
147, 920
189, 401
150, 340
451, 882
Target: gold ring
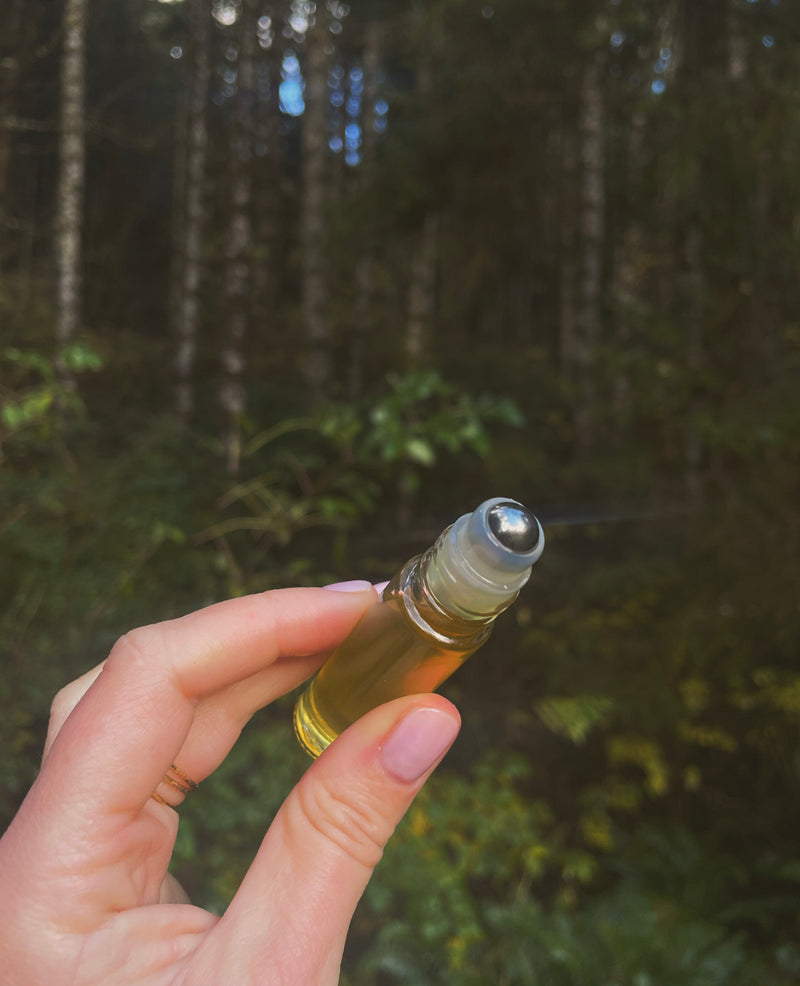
176, 778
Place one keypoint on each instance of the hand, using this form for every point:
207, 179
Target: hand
83, 866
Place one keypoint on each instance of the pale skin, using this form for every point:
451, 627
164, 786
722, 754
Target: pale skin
85, 896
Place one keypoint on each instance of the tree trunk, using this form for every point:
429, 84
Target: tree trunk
592, 235
629, 274
317, 364
10, 64
422, 283
267, 190
695, 350
365, 265
191, 163
422, 296
18, 52
72, 166
238, 246
568, 244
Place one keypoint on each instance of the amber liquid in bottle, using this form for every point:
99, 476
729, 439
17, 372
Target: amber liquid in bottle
436, 612
404, 645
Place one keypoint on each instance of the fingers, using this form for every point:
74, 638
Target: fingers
135, 718
319, 853
65, 701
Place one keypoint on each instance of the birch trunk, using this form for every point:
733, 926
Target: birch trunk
238, 246
317, 365
190, 163
72, 167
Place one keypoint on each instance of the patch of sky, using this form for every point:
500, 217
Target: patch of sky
352, 130
291, 88
176, 51
657, 86
768, 41
352, 144
265, 31
617, 40
225, 12
336, 144
661, 64
298, 22
381, 107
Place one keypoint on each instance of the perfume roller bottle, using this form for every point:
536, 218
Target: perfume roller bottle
436, 612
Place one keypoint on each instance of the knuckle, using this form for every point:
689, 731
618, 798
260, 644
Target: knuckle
135, 645
353, 821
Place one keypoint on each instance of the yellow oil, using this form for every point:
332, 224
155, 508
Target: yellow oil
386, 656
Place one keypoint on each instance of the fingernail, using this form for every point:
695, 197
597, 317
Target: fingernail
380, 586
417, 742
357, 585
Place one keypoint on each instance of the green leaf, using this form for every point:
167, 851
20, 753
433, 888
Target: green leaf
574, 717
79, 357
418, 450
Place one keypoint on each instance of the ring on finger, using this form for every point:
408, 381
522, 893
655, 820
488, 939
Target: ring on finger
177, 779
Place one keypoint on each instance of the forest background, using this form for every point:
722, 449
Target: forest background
285, 288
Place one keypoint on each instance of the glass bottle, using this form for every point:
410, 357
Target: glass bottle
437, 611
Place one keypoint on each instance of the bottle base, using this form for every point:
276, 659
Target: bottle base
313, 733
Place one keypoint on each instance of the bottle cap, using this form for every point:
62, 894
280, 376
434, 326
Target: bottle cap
478, 565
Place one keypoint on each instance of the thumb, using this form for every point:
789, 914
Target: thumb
292, 912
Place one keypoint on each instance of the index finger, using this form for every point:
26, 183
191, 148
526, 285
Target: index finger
127, 729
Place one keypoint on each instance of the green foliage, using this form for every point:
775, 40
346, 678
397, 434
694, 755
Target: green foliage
37, 397
420, 421
668, 922
576, 716
419, 417
220, 832
618, 809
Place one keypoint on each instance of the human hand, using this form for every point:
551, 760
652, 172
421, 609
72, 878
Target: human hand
83, 867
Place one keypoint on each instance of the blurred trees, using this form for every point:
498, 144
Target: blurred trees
71, 175
189, 206
334, 258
